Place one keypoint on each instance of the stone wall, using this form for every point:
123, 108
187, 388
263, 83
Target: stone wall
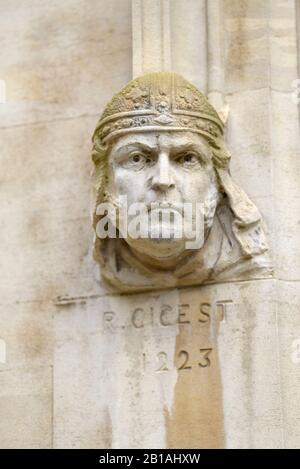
60, 62
213, 366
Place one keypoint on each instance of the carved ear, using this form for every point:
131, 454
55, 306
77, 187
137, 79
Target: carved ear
224, 113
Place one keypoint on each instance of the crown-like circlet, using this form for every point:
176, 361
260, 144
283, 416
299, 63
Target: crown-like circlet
158, 101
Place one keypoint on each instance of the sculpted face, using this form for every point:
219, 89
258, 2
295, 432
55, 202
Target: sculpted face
159, 144
167, 168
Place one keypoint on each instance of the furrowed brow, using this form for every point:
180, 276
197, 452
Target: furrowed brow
134, 146
199, 149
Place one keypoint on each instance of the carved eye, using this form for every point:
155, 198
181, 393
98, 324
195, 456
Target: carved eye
189, 160
137, 158
137, 161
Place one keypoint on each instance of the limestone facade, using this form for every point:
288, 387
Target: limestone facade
213, 366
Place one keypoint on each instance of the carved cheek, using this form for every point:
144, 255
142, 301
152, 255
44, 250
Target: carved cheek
200, 185
120, 181
127, 183
116, 180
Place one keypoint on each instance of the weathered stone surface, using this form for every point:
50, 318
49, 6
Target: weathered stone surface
26, 408
62, 56
135, 375
61, 62
288, 304
285, 148
27, 329
51, 80
260, 36
248, 142
50, 227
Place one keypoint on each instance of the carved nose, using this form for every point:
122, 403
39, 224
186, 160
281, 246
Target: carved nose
163, 178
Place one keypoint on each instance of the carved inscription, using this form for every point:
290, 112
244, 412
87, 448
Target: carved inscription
180, 314
186, 318
184, 365
185, 360
169, 315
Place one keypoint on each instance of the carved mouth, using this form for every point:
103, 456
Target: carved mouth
166, 206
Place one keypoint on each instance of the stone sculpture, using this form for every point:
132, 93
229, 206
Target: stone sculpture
160, 143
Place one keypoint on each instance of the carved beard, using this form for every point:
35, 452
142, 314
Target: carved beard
160, 248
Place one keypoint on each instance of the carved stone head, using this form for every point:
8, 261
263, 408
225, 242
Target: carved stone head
160, 143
